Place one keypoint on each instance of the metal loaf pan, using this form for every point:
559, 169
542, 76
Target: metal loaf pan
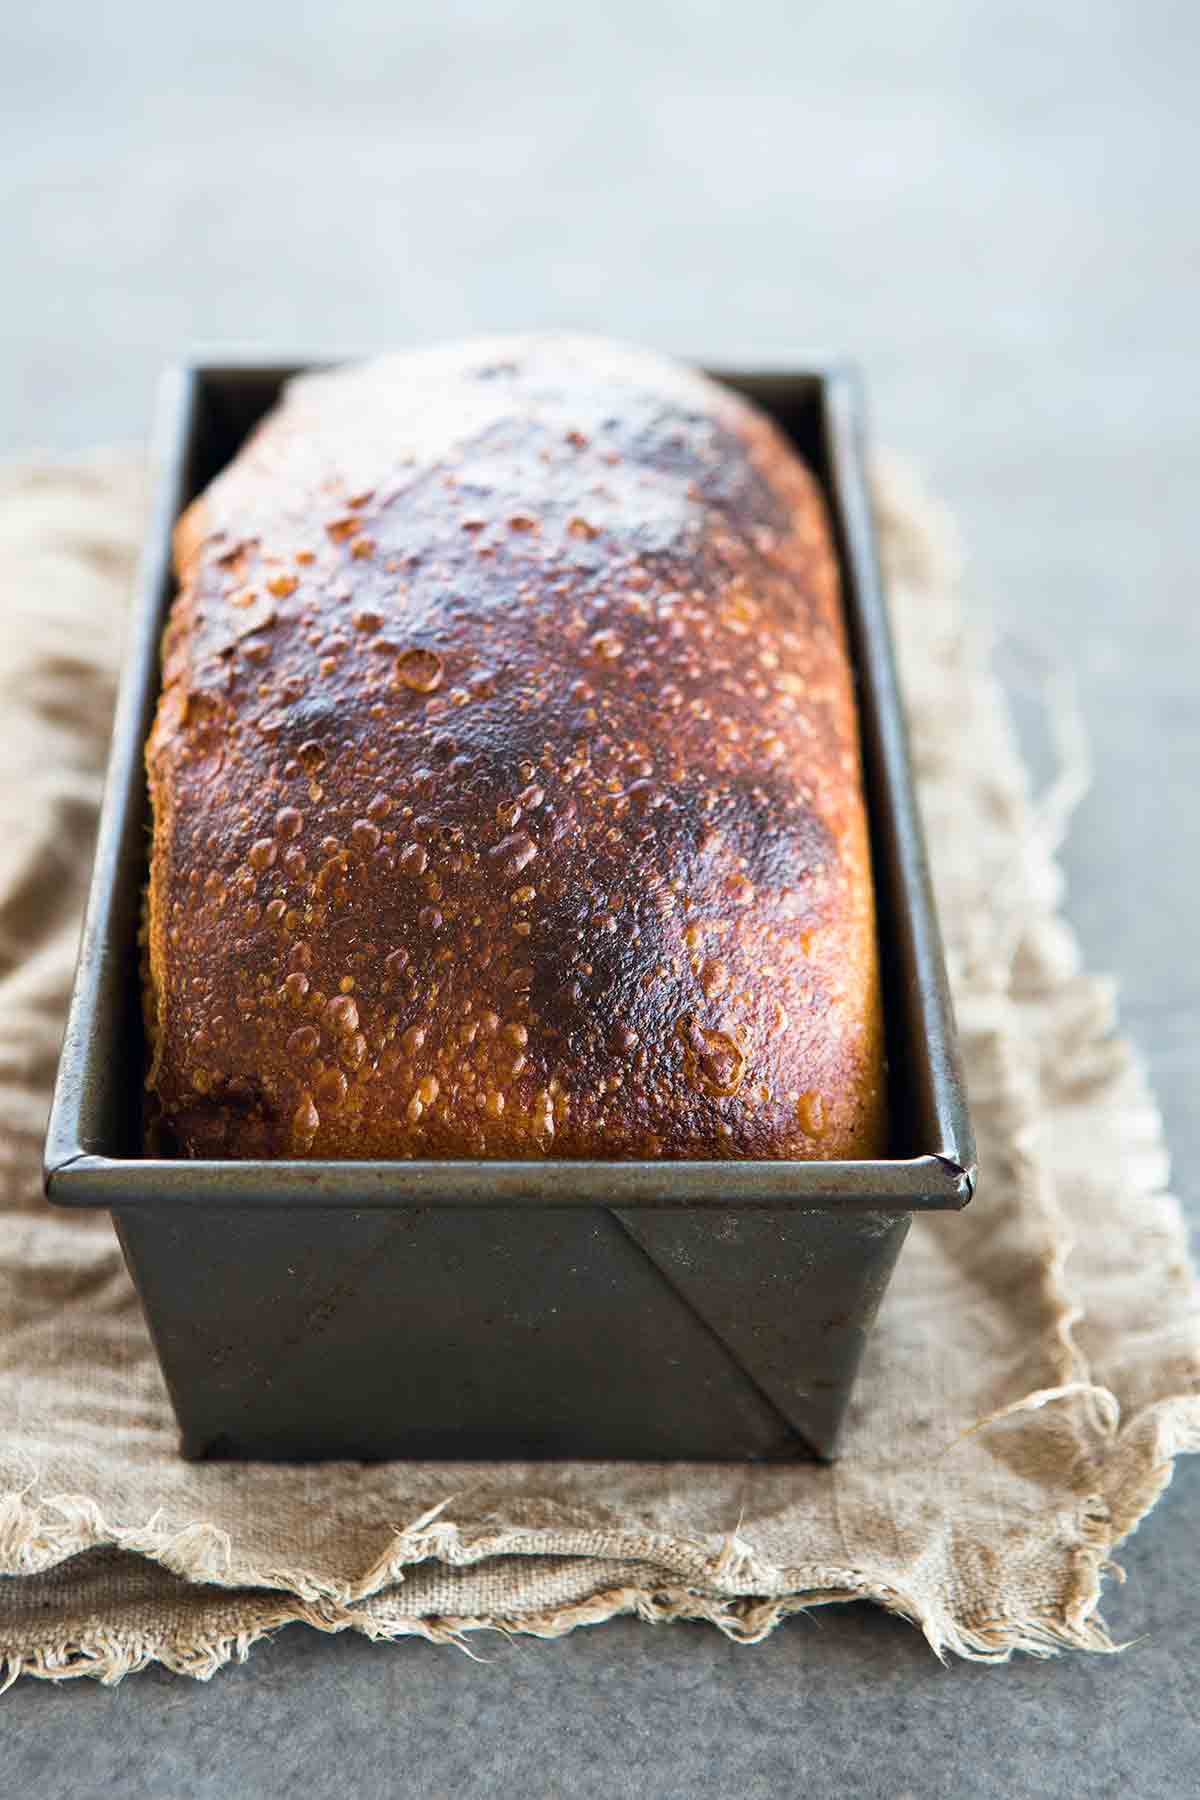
699, 1310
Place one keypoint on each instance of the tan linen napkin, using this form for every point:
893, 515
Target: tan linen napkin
1035, 1369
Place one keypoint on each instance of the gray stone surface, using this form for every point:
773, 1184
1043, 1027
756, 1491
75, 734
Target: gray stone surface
991, 205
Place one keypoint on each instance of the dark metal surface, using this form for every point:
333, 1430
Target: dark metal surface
576, 1332
472, 1308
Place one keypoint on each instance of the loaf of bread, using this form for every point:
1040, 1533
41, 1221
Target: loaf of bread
506, 784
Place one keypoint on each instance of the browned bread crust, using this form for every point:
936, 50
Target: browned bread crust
506, 785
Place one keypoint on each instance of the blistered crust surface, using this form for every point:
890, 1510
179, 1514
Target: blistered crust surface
506, 784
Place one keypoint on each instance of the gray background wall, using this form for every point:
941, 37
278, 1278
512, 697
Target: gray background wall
992, 207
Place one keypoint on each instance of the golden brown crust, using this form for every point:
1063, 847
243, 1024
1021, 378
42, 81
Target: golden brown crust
506, 782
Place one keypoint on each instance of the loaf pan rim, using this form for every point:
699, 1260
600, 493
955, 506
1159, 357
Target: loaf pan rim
913, 1184
78, 1173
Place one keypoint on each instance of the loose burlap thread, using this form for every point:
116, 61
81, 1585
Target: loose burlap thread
1034, 1371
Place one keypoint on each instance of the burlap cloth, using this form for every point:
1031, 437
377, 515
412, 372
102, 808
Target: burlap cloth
1035, 1369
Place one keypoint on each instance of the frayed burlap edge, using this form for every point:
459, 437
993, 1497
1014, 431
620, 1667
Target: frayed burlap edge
108, 1656
744, 1617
